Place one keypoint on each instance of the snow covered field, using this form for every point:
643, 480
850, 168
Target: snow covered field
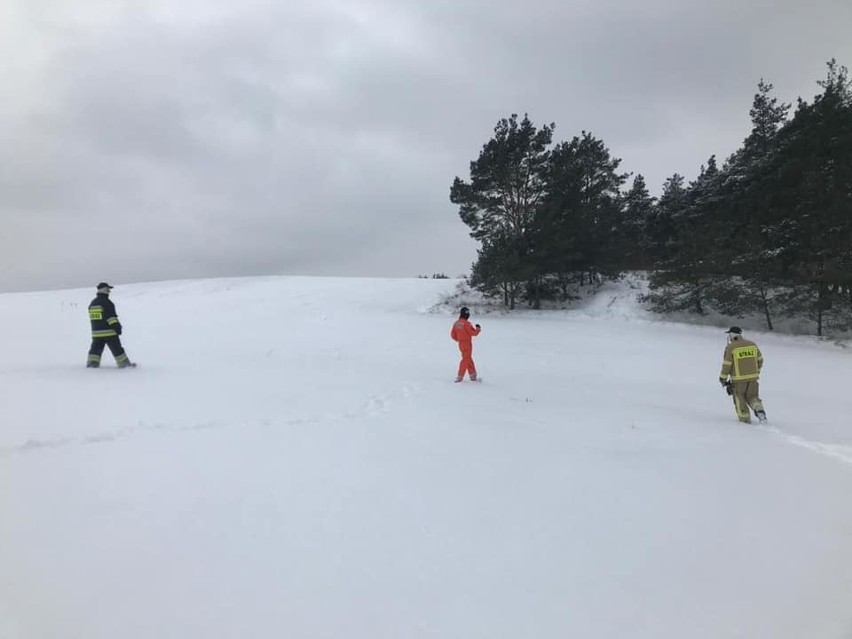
292, 459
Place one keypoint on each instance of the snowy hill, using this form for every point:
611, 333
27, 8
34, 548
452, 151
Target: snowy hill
292, 459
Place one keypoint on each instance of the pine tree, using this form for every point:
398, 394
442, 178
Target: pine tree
661, 226
638, 209
809, 186
577, 226
690, 277
767, 116
739, 233
505, 192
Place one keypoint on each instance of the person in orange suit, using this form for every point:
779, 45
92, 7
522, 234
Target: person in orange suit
463, 332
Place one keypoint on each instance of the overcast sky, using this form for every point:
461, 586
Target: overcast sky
164, 139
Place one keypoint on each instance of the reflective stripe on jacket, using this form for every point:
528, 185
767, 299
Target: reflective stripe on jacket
742, 360
103, 317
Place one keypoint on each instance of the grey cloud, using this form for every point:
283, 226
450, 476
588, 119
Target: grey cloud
160, 139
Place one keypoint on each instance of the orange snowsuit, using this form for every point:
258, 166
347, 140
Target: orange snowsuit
463, 332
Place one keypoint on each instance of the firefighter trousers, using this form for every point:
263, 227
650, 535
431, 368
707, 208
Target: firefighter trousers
114, 343
746, 395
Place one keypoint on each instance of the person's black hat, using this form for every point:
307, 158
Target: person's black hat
735, 329
103, 285
464, 312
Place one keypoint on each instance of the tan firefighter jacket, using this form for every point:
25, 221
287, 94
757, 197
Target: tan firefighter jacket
742, 361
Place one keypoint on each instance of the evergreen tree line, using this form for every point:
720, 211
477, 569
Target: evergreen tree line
768, 232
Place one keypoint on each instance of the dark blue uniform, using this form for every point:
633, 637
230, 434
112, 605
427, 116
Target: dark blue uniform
105, 332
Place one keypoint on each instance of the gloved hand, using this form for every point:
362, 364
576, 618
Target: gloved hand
723, 382
118, 329
478, 326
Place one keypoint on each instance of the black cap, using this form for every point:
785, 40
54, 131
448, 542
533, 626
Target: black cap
464, 312
103, 285
735, 329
